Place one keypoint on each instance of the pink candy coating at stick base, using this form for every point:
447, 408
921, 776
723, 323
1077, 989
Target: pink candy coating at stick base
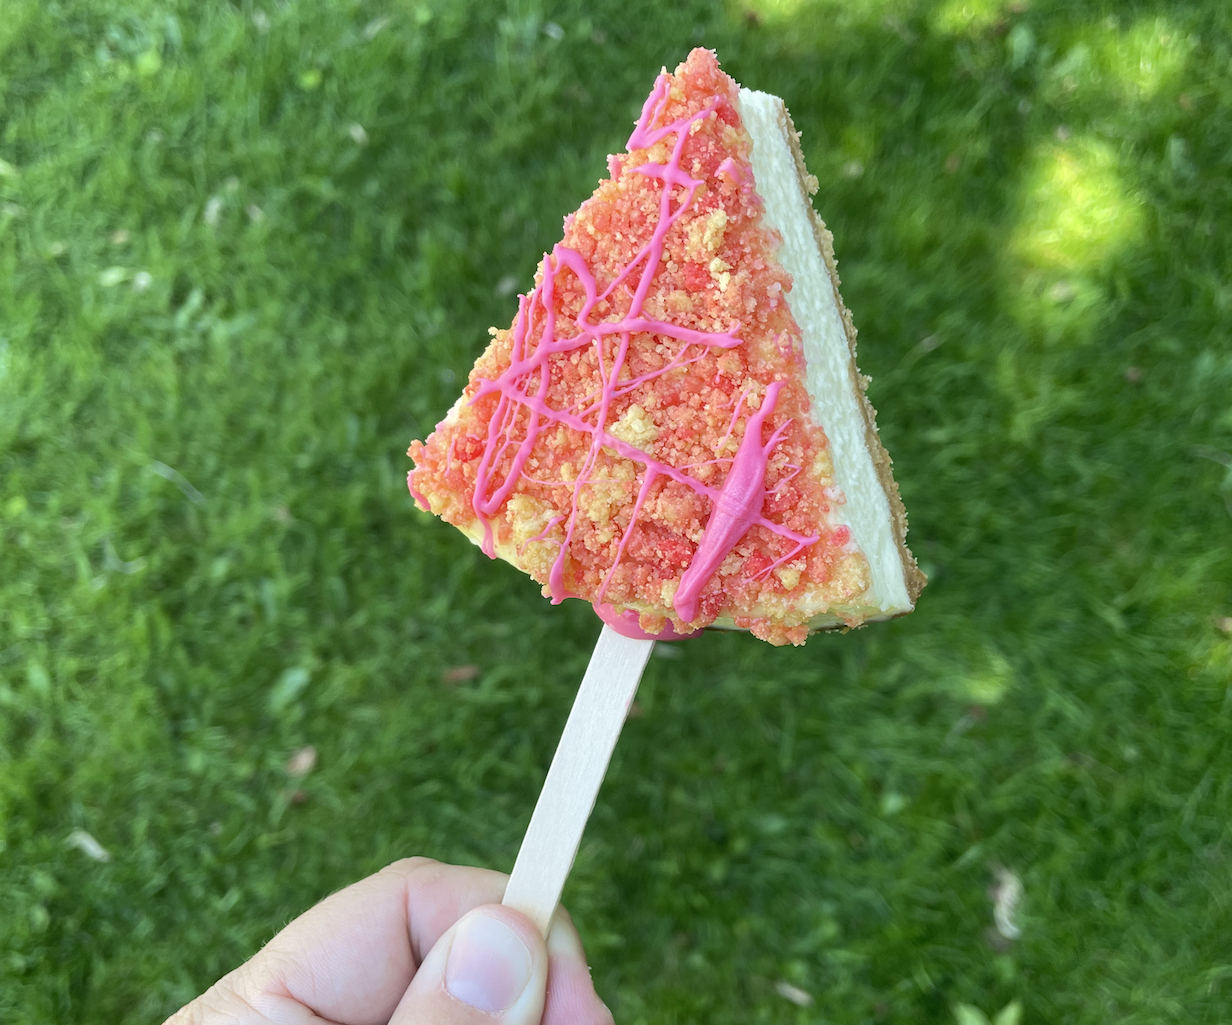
626, 624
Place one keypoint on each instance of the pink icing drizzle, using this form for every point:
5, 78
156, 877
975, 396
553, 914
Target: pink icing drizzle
737, 507
737, 504
420, 500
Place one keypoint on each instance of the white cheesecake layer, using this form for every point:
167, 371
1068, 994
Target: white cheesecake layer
832, 378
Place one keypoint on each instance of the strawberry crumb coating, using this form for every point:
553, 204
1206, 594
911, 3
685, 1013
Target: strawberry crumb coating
647, 410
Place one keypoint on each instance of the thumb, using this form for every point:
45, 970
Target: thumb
490, 967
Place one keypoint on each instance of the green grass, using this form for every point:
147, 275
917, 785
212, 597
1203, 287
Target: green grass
208, 557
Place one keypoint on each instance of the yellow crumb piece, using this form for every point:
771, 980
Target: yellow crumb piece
716, 226
636, 428
527, 518
705, 235
789, 576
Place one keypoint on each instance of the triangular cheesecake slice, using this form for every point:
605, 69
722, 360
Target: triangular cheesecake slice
675, 424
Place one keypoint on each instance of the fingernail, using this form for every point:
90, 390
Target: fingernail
488, 964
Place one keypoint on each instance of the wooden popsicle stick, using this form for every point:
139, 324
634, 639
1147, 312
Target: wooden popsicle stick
573, 780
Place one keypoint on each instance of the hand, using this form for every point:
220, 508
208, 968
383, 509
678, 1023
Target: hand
419, 943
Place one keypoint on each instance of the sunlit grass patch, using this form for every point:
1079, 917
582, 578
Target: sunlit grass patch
956, 17
1077, 212
1076, 217
1131, 65
812, 15
1217, 661
988, 683
1146, 58
980, 676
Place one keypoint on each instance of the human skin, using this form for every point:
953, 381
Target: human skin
418, 943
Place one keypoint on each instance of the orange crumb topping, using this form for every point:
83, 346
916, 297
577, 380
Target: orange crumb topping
581, 509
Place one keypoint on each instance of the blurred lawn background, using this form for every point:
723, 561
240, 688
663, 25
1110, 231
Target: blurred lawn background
247, 252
